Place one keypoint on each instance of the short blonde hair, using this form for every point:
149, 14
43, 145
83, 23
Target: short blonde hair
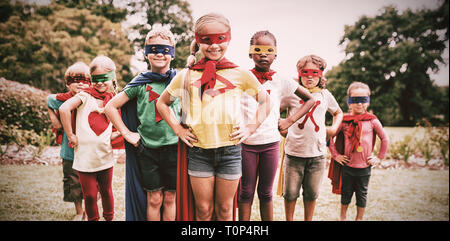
102, 62
357, 85
79, 68
105, 64
161, 32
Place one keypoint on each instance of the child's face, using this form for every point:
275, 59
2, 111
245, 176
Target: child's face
101, 86
75, 88
310, 81
159, 62
213, 51
359, 108
263, 61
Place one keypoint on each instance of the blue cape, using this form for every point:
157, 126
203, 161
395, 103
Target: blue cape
135, 195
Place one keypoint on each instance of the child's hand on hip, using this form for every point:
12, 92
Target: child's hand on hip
73, 141
133, 138
373, 160
186, 135
241, 134
284, 124
342, 159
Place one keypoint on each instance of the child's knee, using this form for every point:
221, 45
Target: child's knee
155, 199
169, 197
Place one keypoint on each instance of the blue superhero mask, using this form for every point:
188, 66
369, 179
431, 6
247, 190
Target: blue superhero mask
358, 99
159, 49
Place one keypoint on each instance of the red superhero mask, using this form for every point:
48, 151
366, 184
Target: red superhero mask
216, 38
310, 72
78, 79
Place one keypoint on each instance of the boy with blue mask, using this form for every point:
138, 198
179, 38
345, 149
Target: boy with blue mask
151, 148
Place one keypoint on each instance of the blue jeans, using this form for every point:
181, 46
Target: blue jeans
223, 162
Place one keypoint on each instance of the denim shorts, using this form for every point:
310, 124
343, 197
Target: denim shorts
223, 162
158, 167
303, 173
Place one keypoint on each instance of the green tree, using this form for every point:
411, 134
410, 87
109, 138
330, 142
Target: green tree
176, 14
394, 53
103, 8
38, 43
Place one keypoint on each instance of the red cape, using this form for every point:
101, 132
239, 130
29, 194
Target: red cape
335, 169
185, 197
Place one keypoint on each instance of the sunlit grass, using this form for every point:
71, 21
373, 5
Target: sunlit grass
33, 192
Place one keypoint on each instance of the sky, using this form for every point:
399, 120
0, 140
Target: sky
301, 27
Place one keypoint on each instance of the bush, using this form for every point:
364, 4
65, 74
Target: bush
24, 117
23, 106
431, 143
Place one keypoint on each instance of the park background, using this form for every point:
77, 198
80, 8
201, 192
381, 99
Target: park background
398, 47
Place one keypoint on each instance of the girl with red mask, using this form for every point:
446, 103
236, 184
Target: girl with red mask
211, 123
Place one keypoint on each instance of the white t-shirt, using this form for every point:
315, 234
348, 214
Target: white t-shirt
278, 88
94, 152
311, 140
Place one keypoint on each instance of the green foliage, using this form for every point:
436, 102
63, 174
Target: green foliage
23, 106
24, 117
394, 53
173, 13
402, 150
103, 8
424, 141
38, 43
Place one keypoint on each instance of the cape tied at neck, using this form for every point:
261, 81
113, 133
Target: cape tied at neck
263, 76
209, 67
355, 128
105, 96
150, 77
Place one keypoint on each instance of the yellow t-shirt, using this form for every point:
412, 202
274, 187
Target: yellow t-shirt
212, 118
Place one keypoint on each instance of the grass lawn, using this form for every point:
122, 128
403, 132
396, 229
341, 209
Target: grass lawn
33, 192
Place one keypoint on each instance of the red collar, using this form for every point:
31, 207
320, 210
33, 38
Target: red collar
263, 76
209, 67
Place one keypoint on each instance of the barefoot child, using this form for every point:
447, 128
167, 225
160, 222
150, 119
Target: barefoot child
261, 151
91, 137
210, 92
77, 77
359, 129
153, 142
306, 140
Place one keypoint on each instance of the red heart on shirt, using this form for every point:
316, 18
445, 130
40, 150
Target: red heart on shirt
98, 122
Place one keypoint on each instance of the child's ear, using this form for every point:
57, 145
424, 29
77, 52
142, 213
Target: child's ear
250, 55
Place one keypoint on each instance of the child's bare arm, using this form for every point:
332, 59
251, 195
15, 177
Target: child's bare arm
185, 134
111, 111
337, 120
54, 118
66, 116
304, 94
262, 112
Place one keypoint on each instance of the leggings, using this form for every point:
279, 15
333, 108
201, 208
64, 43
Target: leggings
89, 182
258, 161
